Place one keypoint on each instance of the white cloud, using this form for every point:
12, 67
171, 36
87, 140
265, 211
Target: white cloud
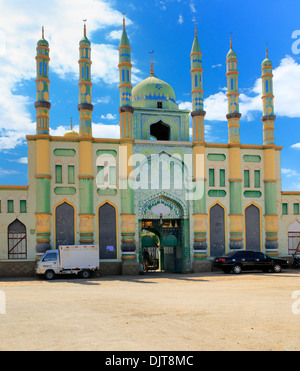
296, 146
109, 116
106, 131
180, 19
217, 65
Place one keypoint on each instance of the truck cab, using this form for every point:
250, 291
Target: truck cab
49, 264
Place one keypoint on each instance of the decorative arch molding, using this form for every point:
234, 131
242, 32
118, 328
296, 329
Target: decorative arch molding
170, 206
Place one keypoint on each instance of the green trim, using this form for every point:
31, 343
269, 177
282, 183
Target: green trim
217, 193
43, 195
246, 178
270, 198
222, 178
65, 190
86, 195
252, 158
64, 152
252, 194
10, 206
110, 152
235, 190
23, 206
216, 157
106, 192
71, 174
285, 209
211, 182
58, 173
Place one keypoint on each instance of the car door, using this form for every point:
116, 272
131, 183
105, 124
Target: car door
249, 262
262, 262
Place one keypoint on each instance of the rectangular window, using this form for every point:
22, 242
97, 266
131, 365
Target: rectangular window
246, 178
222, 177
257, 178
211, 177
58, 173
284, 209
159, 104
296, 209
23, 206
10, 206
100, 175
71, 174
112, 175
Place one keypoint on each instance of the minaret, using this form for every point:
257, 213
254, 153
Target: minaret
198, 114
235, 177
42, 168
128, 246
86, 174
270, 182
85, 86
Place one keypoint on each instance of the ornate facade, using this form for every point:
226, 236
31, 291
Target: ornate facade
153, 187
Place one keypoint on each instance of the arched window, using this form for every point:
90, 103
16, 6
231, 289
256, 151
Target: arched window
46, 68
123, 75
64, 224
160, 131
107, 231
17, 240
217, 230
87, 72
196, 80
267, 86
41, 68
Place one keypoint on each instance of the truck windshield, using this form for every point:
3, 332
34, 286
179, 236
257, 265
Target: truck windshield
50, 257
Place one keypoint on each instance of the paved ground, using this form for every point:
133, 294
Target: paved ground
209, 311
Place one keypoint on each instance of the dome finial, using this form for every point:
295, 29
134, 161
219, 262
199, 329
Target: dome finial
43, 33
267, 50
84, 27
71, 123
151, 70
124, 15
230, 40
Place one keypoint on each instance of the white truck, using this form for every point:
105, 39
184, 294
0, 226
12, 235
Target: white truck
81, 260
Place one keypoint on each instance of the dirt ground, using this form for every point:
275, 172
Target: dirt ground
153, 312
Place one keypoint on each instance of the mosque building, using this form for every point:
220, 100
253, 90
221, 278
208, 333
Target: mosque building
153, 189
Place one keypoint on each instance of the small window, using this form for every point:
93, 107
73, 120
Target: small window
296, 209
87, 72
71, 174
58, 173
112, 175
159, 105
285, 209
246, 178
10, 206
222, 177
100, 175
211, 177
46, 67
257, 178
23, 206
123, 75
196, 80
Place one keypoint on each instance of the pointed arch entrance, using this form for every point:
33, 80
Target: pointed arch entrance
294, 237
64, 224
165, 217
252, 228
17, 240
217, 230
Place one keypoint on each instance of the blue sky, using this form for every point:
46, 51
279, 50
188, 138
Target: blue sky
166, 27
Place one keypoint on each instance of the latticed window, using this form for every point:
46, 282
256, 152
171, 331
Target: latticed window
17, 240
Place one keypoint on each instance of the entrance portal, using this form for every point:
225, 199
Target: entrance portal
161, 245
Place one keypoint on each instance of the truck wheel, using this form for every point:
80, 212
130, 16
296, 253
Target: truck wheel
85, 274
49, 275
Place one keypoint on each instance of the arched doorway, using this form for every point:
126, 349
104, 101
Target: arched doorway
64, 224
107, 231
217, 230
294, 237
160, 131
252, 228
17, 240
166, 217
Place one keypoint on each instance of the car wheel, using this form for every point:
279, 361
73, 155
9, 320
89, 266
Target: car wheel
277, 268
237, 269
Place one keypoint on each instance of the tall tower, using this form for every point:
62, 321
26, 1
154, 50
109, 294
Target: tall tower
198, 114
42, 168
235, 178
86, 174
270, 182
128, 246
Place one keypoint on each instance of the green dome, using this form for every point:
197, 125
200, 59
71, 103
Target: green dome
231, 55
266, 63
43, 42
152, 90
85, 41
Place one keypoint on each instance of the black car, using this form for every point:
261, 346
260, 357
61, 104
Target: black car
238, 261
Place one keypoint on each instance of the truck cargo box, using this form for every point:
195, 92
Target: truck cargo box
79, 256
